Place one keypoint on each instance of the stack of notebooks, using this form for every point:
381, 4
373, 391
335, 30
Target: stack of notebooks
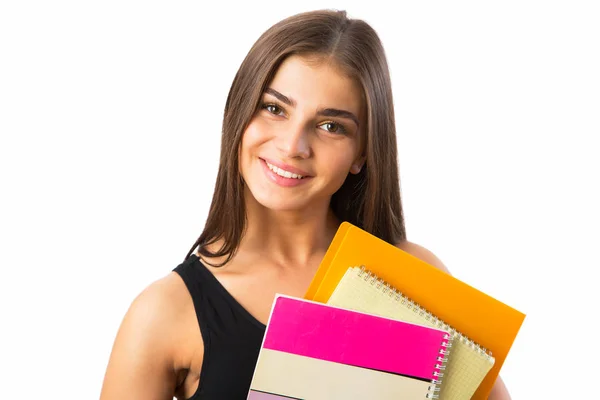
377, 322
316, 351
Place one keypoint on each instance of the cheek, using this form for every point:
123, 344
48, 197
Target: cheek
249, 141
256, 133
341, 157
254, 136
337, 164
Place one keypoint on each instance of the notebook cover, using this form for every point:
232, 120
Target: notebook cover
315, 351
479, 316
467, 364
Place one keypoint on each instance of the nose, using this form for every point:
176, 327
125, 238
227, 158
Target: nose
293, 141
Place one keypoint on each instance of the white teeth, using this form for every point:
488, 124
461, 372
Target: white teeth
284, 173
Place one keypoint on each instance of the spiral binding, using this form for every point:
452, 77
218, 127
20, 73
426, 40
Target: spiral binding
368, 276
436, 379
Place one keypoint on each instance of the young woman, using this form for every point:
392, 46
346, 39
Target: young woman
308, 141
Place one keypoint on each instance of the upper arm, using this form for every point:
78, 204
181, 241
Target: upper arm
141, 364
499, 390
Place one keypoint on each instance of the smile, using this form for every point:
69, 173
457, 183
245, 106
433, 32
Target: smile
282, 172
282, 177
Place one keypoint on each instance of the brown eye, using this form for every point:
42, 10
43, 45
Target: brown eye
272, 108
334, 127
331, 127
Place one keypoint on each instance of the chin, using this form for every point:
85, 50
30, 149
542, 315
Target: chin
280, 203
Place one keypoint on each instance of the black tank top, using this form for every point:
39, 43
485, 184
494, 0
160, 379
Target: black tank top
232, 336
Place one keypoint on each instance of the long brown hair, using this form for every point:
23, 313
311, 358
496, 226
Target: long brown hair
370, 199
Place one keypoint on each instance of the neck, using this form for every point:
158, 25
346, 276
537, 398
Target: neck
297, 237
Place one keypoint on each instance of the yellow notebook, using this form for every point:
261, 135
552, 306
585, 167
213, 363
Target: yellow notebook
485, 320
468, 363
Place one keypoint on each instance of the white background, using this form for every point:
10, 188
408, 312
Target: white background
110, 120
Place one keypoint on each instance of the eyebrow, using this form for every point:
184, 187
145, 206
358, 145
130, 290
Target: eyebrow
326, 112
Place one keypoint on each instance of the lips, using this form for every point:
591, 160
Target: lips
282, 181
287, 167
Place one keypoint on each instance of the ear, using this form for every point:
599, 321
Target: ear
357, 165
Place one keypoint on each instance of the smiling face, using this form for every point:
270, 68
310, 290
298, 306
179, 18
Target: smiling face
305, 137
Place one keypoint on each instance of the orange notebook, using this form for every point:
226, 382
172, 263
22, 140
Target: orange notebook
485, 320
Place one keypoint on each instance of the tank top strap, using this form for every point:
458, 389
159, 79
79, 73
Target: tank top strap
232, 336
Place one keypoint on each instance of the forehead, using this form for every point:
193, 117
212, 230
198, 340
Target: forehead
317, 84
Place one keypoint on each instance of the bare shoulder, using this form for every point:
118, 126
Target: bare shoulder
159, 310
422, 254
146, 358
168, 297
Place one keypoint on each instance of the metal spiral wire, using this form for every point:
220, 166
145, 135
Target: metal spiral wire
392, 292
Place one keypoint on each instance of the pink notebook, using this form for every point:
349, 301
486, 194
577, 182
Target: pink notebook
316, 351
